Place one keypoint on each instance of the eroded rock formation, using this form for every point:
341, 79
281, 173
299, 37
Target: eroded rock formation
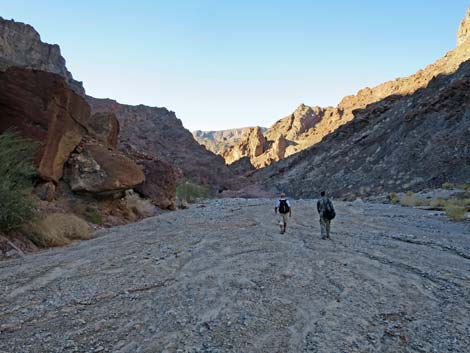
159, 133
105, 128
21, 45
220, 141
43, 108
99, 169
400, 143
307, 126
464, 30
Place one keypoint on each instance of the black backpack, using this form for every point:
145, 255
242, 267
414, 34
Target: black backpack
329, 212
283, 206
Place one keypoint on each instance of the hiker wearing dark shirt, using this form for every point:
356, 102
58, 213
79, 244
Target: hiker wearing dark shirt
285, 211
326, 212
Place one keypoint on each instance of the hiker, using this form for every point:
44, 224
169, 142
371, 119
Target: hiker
327, 213
283, 205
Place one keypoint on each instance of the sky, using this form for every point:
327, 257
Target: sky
226, 64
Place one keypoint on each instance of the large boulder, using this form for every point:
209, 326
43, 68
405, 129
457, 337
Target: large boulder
42, 107
99, 169
160, 183
105, 128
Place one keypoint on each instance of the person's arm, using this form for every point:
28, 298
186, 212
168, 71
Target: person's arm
318, 206
277, 206
290, 209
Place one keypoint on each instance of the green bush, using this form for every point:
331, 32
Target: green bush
191, 192
409, 199
393, 197
438, 203
422, 203
16, 173
455, 212
448, 186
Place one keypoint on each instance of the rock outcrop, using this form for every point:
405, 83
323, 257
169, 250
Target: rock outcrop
43, 108
404, 142
158, 132
105, 128
98, 169
160, 183
21, 45
464, 30
220, 141
406, 134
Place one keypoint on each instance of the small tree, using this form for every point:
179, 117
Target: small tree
16, 173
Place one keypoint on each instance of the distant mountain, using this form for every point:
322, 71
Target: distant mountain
219, 141
308, 125
406, 134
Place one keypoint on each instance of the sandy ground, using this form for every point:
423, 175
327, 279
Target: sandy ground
219, 277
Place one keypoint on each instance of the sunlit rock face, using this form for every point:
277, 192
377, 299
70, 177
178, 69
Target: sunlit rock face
464, 29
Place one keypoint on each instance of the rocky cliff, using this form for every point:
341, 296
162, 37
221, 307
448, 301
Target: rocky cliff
307, 126
220, 141
464, 30
21, 45
402, 142
158, 132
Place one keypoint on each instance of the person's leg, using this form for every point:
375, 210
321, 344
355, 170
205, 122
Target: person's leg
285, 221
322, 228
327, 228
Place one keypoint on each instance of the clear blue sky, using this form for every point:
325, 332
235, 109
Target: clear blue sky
222, 64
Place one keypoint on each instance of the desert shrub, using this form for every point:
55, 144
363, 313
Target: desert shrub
466, 204
191, 192
466, 187
393, 197
454, 211
135, 207
90, 213
448, 186
16, 180
56, 229
422, 203
438, 203
409, 199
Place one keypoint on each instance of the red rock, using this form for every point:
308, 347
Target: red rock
160, 183
105, 128
100, 169
42, 107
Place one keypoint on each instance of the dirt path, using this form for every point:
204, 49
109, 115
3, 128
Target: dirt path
221, 278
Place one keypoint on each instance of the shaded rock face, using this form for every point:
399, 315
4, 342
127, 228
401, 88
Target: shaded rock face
21, 45
98, 169
160, 183
464, 30
43, 108
105, 128
400, 143
157, 132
